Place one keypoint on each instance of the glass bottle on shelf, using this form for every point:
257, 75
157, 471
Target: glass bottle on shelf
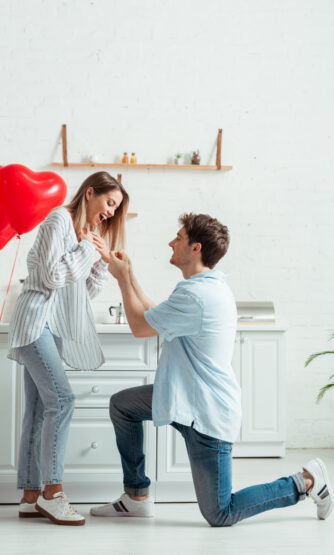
125, 159
133, 159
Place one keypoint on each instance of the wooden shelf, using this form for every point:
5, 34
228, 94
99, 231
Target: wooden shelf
148, 166
131, 215
66, 163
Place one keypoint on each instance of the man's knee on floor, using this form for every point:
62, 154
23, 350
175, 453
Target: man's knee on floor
219, 518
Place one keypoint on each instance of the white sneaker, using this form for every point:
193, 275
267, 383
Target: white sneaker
321, 492
125, 506
27, 510
59, 510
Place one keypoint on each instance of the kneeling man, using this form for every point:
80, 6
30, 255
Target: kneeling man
195, 388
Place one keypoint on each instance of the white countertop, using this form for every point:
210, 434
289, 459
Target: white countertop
125, 328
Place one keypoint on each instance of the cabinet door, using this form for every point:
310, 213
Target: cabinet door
10, 413
262, 385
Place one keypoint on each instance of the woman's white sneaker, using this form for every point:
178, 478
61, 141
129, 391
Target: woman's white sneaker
321, 491
59, 510
125, 506
27, 510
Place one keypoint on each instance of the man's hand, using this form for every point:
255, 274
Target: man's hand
101, 247
122, 255
119, 265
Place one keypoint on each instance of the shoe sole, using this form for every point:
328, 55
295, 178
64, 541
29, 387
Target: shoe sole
30, 515
58, 521
127, 515
330, 491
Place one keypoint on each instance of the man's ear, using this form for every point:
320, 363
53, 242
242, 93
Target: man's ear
197, 247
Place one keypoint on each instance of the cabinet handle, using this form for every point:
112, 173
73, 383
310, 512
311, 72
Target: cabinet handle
95, 389
93, 445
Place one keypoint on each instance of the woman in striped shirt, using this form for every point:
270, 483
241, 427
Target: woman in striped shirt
53, 321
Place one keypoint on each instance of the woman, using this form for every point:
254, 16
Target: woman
53, 321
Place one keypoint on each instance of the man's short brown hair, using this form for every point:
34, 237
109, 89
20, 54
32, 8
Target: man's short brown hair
213, 236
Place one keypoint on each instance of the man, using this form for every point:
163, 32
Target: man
195, 389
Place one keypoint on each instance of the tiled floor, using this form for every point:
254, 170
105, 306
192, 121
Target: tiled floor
179, 528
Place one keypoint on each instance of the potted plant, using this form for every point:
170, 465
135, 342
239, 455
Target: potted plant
178, 157
330, 384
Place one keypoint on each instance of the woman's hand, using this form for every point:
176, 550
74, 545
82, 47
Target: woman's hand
85, 234
101, 247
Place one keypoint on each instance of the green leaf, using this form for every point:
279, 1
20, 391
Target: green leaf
324, 390
315, 355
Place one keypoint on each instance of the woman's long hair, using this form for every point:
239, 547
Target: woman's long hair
113, 229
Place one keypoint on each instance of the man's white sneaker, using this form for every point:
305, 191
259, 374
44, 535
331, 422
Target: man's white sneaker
59, 510
27, 510
321, 492
125, 506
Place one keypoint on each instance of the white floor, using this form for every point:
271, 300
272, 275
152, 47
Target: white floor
179, 529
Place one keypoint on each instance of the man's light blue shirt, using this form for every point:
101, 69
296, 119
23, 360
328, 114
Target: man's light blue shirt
195, 383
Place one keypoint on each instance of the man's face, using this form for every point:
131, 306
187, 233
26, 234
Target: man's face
182, 251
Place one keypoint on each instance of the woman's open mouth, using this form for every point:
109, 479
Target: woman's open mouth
102, 217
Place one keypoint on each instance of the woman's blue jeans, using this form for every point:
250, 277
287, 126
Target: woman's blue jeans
210, 460
49, 405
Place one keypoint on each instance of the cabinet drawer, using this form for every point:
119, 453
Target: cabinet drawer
126, 352
92, 444
91, 441
94, 389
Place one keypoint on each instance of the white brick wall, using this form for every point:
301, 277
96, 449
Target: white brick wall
160, 77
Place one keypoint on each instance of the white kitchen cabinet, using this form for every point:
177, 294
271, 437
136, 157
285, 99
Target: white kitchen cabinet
93, 471
10, 421
92, 467
262, 385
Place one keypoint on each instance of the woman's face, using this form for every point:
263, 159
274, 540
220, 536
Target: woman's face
101, 207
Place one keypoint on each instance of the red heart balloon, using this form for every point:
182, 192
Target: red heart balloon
6, 234
6, 231
29, 196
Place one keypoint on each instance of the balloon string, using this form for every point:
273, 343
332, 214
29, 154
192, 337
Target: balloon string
11, 275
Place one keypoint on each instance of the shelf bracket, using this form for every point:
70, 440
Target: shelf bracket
119, 177
64, 142
219, 149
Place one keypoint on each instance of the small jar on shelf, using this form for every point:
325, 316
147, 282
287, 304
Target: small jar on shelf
133, 159
125, 159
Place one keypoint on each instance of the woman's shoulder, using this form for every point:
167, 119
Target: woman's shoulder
59, 216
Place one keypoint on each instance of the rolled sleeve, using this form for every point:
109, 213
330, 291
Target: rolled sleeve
98, 276
179, 316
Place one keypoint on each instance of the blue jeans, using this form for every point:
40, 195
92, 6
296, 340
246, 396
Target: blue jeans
210, 460
49, 405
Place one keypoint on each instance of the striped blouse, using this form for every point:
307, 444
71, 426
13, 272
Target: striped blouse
61, 278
